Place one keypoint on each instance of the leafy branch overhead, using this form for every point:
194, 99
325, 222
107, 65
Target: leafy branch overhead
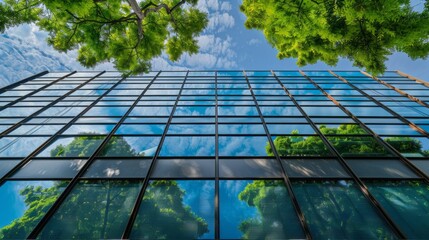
364, 31
129, 33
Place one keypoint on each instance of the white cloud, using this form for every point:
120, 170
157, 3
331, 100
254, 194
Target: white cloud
253, 41
19, 60
226, 6
220, 22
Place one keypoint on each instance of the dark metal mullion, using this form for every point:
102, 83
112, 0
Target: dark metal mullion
139, 200
377, 137
380, 104
52, 103
39, 227
217, 199
403, 93
361, 185
285, 177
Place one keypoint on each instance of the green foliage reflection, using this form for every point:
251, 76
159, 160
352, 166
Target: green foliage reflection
348, 139
38, 200
163, 215
276, 218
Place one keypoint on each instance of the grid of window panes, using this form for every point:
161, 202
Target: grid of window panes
215, 155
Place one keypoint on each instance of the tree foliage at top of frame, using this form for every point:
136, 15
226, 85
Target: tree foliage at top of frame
363, 31
128, 33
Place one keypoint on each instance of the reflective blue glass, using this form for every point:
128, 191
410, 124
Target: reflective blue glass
188, 146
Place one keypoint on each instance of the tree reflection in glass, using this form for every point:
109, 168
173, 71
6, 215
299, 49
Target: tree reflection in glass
338, 210
348, 139
259, 209
407, 202
176, 210
26, 203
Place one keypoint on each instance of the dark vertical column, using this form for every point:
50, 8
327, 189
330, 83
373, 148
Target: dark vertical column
284, 174
74, 181
362, 187
131, 220
217, 205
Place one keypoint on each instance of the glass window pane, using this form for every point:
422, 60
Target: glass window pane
338, 210
140, 129
249, 168
191, 129
122, 168
341, 129
237, 111
78, 129
259, 209
324, 111
243, 146
93, 210
106, 111
36, 130
176, 209
380, 168
24, 203
151, 111
406, 203
188, 146
7, 165
290, 129
410, 146
280, 111
358, 146
194, 111
81, 146
241, 129
57, 169
298, 146
19, 146
184, 168
119, 146
314, 168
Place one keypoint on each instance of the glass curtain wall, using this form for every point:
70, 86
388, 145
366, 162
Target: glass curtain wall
215, 155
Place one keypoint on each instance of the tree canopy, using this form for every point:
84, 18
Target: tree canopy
363, 31
129, 33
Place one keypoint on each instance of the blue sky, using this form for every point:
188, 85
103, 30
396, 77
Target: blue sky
225, 44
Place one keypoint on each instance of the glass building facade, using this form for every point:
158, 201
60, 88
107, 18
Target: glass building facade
215, 155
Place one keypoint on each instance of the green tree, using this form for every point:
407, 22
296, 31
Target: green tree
99, 209
129, 33
364, 31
